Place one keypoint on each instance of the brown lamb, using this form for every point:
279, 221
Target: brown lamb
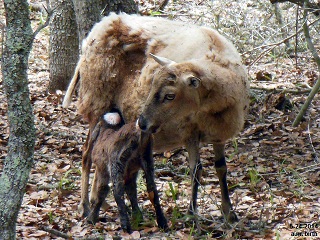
119, 151
193, 90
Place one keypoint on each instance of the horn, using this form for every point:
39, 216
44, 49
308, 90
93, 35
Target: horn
162, 60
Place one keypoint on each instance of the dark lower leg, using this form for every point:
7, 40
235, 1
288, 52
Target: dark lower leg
86, 166
131, 190
96, 202
148, 168
118, 192
221, 168
195, 181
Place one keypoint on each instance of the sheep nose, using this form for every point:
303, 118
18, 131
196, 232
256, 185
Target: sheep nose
142, 123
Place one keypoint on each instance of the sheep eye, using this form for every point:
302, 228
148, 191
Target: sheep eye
171, 77
169, 97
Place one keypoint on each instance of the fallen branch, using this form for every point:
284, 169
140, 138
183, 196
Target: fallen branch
316, 57
281, 90
69, 237
56, 232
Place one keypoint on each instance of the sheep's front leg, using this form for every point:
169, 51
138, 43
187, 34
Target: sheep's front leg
86, 166
195, 165
221, 168
148, 168
131, 190
117, 172
99, 192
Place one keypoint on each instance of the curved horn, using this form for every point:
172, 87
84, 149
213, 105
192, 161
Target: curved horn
162, 60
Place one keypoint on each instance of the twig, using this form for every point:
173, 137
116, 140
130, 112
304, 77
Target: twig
316, 57
56, 232
313, 6
283, 40
310, 139
261, 55
3, 26
69, 237
280, 90
42, 26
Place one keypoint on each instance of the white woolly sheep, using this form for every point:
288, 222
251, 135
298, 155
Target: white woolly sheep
118, 152
197, 88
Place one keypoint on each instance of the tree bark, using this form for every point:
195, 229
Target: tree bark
18, 162
63, 44
117, 6
87, 14
91, 11
70, 24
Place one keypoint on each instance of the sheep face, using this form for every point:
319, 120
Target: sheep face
174, 95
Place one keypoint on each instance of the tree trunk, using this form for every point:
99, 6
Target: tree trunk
316, 87
127, 6
18, 162
66, 33
87, 14
63, 44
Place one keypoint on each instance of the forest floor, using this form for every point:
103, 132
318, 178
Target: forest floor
273, 176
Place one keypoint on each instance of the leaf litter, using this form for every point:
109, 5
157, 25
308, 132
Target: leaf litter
273, 168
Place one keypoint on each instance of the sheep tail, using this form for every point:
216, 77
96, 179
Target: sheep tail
74, 81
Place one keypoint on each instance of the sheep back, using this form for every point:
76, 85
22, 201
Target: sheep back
116, 71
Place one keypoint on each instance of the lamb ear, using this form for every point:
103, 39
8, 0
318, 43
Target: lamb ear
193, 82
162, 60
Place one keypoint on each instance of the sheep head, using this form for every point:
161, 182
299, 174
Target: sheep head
174, 94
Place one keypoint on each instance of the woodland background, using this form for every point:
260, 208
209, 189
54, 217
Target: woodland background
273, 167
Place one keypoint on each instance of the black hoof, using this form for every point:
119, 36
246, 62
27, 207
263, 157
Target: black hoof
163, 224
84, 210
232, 217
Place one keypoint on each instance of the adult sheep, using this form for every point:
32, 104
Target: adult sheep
198, 89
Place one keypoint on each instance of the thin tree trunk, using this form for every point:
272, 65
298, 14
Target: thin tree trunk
117, 6
63, 44
313, 6
18, 163
71, 22
313, 50
87, 14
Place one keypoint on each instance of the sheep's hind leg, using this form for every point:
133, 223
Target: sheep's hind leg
221, 168
86, 166
131, 190
99, 192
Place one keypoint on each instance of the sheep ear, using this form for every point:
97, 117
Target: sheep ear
193, 82
162, 60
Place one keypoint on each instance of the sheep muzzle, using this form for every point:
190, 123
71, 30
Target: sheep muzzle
145, 127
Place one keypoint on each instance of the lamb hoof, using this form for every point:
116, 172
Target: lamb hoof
191, 212
92, 219
163, 225
232, 217
126, 229
137, 218
84, 210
